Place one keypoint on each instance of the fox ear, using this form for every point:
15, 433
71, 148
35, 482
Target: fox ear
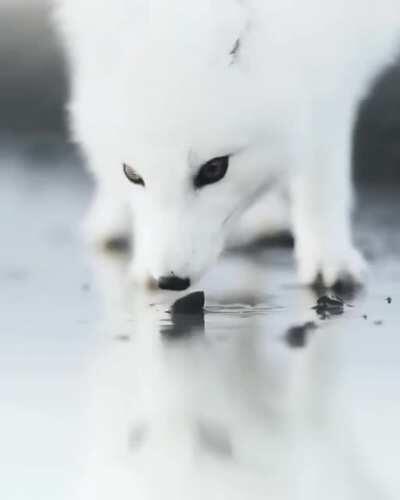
235, 51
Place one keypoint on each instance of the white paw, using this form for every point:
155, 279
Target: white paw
332, 267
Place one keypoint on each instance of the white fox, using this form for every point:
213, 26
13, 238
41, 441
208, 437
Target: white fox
190, 111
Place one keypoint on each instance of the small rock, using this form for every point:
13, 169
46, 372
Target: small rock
187, 317
389, 300
326, 301
190, 304
329, 305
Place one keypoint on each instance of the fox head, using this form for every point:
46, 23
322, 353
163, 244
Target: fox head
183, 132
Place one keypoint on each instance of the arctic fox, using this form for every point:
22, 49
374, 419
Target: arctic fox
189, 111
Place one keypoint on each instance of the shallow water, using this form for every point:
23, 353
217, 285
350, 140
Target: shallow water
103, 396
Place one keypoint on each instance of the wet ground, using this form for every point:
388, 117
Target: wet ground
103, 396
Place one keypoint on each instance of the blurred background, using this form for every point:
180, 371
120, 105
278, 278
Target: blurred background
33, 89
33, 85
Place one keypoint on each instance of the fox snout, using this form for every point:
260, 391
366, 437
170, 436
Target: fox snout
172, 282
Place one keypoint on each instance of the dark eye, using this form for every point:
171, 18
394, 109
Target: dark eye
132, 175
212, 171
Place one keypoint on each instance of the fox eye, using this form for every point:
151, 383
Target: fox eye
132, 175
212, 171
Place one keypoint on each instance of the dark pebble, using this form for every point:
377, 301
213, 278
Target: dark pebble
187, 317
326, 301
329, 305
389, 300
190, 304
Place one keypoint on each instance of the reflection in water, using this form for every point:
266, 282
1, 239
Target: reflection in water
217, 406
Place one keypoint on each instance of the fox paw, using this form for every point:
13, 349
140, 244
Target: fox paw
348, 269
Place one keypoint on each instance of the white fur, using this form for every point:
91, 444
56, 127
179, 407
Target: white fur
154, 85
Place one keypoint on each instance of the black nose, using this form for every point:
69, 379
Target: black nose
173, 283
